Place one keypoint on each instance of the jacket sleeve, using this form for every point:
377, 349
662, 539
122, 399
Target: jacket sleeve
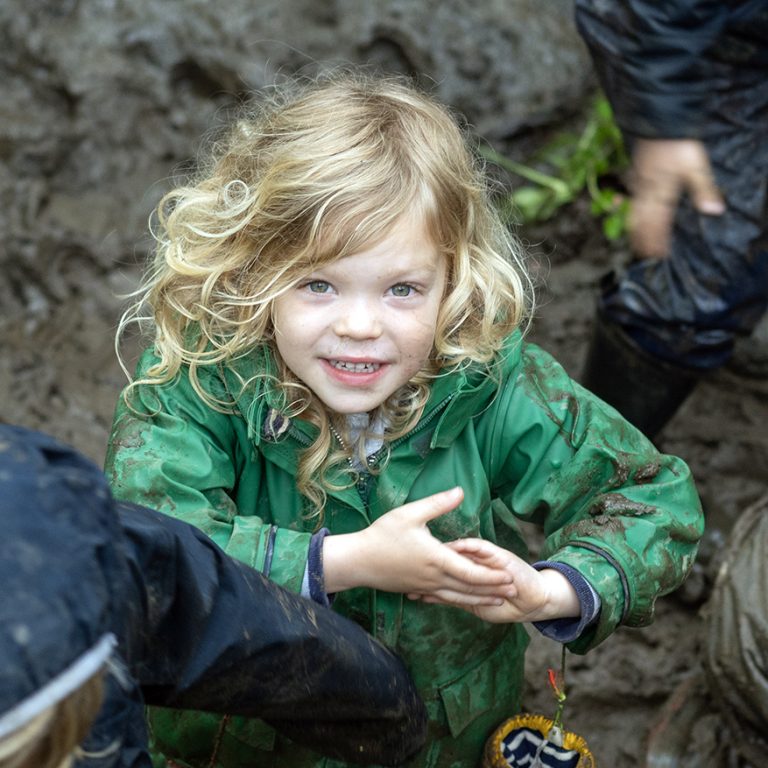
625, 516
217, 636
652, 60
170, 451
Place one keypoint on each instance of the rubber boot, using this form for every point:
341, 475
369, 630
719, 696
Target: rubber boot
645, 390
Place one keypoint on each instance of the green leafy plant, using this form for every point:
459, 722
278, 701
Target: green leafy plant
567, 166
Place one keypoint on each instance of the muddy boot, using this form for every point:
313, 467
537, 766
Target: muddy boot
646, 390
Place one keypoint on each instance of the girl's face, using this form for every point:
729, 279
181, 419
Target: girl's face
358, 329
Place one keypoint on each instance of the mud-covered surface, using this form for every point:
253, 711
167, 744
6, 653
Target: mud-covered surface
58, 372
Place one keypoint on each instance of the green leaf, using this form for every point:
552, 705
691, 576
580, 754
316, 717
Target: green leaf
568, 166
614, 226
531, 201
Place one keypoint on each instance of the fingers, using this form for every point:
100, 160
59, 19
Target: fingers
482, 551
698, 180
662, 169
467, 571
655, 195
704, 193
437, 504
500, 612
650, 226
504, 591
459, 599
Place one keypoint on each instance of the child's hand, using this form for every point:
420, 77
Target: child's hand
533, 595
397, 553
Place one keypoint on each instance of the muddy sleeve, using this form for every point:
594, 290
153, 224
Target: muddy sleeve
170, 451
217, 636
652, 59
611, 506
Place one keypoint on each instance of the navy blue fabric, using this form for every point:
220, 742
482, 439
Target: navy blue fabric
316, 576
195, 628
527, 747
692, 69
566, 630
65, 583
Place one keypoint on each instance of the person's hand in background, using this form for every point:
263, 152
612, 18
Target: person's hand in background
662, 170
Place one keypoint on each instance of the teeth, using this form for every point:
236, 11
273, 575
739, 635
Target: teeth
343, 365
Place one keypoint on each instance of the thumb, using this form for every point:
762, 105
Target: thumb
705, 195
699, 179
437, 504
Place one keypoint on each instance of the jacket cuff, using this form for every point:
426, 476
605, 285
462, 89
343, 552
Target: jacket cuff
566, 630
313, 583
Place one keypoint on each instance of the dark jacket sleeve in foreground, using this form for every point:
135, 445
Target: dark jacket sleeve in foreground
194, 628
220, 637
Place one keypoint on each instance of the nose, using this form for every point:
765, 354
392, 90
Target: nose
357, 319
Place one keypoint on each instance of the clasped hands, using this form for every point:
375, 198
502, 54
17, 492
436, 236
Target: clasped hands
398, 553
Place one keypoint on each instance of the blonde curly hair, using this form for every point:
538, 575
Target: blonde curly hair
307, 175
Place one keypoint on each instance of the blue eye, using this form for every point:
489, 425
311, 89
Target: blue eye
402, 290
319, 286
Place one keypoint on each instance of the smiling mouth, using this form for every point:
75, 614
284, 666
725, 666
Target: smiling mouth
345, 365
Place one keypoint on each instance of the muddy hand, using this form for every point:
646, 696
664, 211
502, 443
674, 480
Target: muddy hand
398, 553
662, 169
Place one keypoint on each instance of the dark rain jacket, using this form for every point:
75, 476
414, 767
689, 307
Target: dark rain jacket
527, 444
193, 628
692, 69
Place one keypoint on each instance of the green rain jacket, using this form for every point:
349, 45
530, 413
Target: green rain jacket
526, 443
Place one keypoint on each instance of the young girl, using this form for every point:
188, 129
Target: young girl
338, 389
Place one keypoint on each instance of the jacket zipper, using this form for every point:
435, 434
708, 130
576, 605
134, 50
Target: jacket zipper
428, 419
364, 477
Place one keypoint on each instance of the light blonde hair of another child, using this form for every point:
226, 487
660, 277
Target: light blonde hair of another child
306, 176
52, 738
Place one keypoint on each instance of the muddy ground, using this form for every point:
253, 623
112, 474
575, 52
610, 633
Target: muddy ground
58, 372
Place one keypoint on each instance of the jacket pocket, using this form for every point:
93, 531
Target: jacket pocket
490, 691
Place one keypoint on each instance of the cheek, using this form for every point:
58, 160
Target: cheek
420, 342
285, 318
277, 313
286, 337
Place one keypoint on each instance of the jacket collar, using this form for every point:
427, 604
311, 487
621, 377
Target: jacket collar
456, 396
467, 392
